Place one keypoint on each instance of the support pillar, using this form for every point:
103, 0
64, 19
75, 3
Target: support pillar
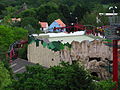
115, 62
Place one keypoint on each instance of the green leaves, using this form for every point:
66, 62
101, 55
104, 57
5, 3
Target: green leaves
28, 13
63, 77
52, 17
30, 21
106, 85
8, 35
5, 78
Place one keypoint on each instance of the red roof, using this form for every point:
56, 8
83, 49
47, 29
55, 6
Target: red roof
16, 19
60, 23
43, 24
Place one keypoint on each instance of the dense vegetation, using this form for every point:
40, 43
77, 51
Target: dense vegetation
9, 35
63, 77
5, 78
48, 10
66, 77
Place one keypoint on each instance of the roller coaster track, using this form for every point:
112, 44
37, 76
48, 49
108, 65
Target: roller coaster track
20, 44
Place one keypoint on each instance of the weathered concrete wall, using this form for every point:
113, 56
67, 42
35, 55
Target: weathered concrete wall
92, 55
43, 56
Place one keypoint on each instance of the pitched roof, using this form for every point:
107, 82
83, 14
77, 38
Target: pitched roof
60, 23
43, 24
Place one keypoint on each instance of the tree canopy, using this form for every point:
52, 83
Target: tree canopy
65, 77
8, 35
42, 10
5, 78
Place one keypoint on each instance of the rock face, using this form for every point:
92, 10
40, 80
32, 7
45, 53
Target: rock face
93, 55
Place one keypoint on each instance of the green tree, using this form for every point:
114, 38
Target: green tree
19, 33
5, 78
8, 35
52, 17
105, 85
64, 9
30, 29
7, 20
99, 8
30, 21
2, 8
89, 19
6, 38
44, 10
11, 10
65, 77
71, 2
28, 13
79, 12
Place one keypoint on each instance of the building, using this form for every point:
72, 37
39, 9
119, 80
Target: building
93, 54
39, 52
16, 19
108, 14
44, 26
57, 26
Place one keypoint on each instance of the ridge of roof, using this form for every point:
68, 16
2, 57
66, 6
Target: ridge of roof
60, 22
43, 24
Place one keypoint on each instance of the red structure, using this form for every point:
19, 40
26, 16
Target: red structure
75, 27
18, 44
115, 62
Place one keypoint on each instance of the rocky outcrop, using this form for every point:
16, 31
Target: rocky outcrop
87, 49
94, 55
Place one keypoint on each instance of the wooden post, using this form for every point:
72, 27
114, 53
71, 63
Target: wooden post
115, 62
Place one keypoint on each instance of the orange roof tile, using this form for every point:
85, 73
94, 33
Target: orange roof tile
60, 23
43, 24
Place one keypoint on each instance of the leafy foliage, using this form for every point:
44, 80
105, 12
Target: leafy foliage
44, 10
30, 21
22, 52
62, 77
47, 10
58, 77
5, 79
8, 35
105, 85
65, 11
28, 13
65, 77
52, 17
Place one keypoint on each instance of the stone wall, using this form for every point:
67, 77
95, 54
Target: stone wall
93, 55
43, 56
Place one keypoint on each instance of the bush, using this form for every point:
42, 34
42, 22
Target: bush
22, 52
64, 77
5, 78
105, 85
